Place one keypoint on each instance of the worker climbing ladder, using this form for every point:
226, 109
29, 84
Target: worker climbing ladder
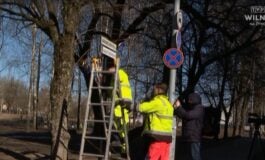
105, 148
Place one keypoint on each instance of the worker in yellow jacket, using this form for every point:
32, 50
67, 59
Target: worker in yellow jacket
123, 103
124, 98
158, 123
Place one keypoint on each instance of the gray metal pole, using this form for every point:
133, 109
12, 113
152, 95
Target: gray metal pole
172, 80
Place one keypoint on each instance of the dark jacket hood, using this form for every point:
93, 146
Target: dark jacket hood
194, 99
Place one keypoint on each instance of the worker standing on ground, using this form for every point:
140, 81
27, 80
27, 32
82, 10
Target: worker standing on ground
192, 123
158, 123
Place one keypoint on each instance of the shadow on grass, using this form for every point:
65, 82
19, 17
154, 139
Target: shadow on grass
14, 154
38, 137
21, 156
236, 148
44, 137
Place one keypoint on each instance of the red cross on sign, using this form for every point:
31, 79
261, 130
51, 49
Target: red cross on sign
173, 58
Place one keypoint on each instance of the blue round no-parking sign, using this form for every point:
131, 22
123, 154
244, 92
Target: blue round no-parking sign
173, 58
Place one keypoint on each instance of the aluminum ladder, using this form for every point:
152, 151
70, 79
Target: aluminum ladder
107, 111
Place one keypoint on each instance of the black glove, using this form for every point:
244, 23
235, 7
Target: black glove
124, 103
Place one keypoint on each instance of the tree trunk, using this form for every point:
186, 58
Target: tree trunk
31, 82
235, 115
227, 118
243, 115
228, 114
29, 103
34, 77
237, 118
79, 100
226, 125
37, 85
64, 49
60, 96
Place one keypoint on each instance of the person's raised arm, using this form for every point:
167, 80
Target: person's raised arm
190, 114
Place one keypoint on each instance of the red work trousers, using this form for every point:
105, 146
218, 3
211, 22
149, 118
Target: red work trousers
158, 151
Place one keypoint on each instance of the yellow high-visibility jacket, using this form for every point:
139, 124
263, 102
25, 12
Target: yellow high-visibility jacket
159, 112
125, 93
124, 85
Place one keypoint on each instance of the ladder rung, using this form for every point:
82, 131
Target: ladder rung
94, 137
107, 116
93, 155
105, 103
97, 120
103, 87
114, 131
104, 71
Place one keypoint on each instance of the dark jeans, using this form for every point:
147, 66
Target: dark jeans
188, 151
195, 150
